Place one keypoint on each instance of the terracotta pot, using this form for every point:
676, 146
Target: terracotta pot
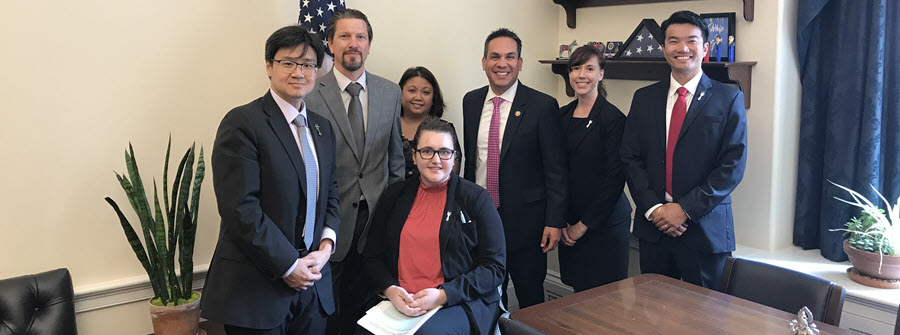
176, 320
867, 263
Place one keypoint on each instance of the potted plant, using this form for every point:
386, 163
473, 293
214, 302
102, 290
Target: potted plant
873, 245
167, 231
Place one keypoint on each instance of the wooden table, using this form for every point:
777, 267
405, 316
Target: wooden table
656, 304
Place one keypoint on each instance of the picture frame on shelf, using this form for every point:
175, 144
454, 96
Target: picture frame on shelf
722, 36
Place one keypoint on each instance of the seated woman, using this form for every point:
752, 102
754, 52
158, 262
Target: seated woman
421, 97
437, 240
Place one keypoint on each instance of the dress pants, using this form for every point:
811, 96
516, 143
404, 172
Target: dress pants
672, 257
349, 287
305, 317
527, 267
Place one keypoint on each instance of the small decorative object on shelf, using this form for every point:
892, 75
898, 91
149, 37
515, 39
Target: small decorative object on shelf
721, 29
804, 325
566, 49
718, 47
612, 48
731, 48
596, 45
563, 51
645, 42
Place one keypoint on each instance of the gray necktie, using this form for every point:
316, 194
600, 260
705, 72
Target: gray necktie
355, 114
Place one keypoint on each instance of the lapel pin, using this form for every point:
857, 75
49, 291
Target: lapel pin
589, 123
448, 216
318, 130
518, 113
701, 95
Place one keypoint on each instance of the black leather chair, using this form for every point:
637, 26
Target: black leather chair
39, 304
513, 327
784, 289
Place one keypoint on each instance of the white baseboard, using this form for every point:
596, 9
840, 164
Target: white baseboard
554, 287
123, 291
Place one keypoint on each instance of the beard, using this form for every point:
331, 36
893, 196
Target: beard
351, 65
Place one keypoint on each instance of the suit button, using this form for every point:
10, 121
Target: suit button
355, 205
360, 176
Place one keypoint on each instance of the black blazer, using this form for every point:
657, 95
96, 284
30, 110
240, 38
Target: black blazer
709, 161
533, 165
473, 252
596, 178
260, 184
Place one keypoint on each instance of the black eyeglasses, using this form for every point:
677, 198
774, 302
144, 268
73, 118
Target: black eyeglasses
289, 66
428, 153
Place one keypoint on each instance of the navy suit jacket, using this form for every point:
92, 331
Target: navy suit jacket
533, 165
709, 161
260, 184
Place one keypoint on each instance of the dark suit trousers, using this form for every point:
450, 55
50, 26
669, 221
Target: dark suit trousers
527, 267
672, 257
349, 287
306, 317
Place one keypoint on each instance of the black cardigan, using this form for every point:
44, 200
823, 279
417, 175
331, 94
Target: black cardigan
473, 253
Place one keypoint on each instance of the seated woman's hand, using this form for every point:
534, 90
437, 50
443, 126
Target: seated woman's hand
429, 298
402, 301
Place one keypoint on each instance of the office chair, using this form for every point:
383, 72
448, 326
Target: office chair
783, 289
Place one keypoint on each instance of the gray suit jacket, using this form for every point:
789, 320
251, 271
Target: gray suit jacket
365, 171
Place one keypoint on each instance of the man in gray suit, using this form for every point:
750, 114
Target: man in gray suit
365, 110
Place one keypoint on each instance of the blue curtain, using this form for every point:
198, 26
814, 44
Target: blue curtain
850, 113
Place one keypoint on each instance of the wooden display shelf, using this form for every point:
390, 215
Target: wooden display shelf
571, 5
738, 73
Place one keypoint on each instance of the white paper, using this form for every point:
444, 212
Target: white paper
384, 319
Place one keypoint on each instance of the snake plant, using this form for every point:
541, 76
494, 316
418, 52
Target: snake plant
164, 233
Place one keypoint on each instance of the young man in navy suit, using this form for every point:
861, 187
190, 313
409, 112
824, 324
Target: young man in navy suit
273, 168
684, 150
514, 148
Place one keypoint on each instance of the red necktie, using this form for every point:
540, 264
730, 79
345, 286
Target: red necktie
493, 154
678, 112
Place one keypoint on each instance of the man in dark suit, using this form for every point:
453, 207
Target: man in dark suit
514, 148
273, 168
684, 150
365, 110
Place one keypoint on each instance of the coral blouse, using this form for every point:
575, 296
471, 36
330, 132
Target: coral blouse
419, 264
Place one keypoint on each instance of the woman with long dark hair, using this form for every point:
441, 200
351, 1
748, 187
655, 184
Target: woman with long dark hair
595, 242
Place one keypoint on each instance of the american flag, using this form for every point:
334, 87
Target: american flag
316, 14
644, 45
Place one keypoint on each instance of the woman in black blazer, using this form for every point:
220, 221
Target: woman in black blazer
595, 242
465, 238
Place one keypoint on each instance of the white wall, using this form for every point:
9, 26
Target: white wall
81, 79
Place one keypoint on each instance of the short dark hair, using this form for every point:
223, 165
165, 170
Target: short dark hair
294, 36
348, 13
435, 124
503, 32
582, 55
688, 17
437, 99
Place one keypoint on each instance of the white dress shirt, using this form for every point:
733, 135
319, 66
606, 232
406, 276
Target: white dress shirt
290, 113
484, 128
343, 82
691, 87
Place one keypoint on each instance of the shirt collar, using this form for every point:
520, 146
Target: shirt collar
691, 85
343, 81
509, 95
290, 112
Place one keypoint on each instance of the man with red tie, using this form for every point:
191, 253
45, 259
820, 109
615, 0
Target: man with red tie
684, 150
514, 148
